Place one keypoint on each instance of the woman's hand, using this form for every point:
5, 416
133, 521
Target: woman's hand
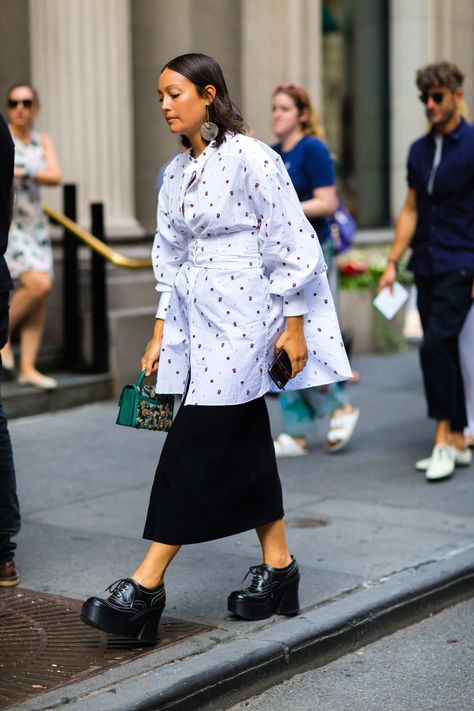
292, 341
151, 357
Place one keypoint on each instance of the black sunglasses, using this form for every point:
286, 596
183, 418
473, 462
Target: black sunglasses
437, 97
13, 103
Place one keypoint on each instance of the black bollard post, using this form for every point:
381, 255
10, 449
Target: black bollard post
72, 326
100, 328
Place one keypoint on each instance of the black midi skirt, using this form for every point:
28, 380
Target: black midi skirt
217, 475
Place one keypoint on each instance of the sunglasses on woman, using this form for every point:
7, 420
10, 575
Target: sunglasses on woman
13, 103
437, 97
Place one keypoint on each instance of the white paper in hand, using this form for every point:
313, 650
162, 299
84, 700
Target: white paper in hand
388, 302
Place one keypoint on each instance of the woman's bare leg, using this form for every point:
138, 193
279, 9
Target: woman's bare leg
21, 303
26, 302
31, 334
272, 537
151, 571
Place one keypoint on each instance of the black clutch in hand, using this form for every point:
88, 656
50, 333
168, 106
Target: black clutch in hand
280, 369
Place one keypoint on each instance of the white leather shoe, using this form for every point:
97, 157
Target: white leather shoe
462, 458
422, 464
442, 464
287, 446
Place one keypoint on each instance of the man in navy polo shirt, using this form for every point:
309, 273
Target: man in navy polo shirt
437, 222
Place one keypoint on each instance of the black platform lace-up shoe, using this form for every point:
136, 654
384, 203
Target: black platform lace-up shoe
130, 611
272, 591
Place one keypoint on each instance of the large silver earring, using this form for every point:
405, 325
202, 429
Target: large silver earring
209, 130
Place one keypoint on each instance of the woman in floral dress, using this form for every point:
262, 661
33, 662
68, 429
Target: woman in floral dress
29, 255
241, 276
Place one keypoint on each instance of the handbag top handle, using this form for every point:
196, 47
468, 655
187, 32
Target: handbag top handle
140, 378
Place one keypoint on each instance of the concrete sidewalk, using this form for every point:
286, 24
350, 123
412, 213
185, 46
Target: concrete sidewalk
377, 545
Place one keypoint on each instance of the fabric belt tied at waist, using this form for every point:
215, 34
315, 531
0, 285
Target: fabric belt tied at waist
242, 256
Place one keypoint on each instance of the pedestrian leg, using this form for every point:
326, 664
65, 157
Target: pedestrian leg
444, 302
152, 569
466, 356
9, 508
275, 582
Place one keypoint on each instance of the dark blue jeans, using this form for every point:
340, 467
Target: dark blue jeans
9, 509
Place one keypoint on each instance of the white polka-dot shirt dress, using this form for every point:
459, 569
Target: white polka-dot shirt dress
233, 255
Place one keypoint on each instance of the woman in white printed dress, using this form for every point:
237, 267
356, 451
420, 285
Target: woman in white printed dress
29, 255
241, 276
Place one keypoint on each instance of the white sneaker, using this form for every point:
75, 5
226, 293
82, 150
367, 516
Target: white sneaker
462, 458
442, 464
287, 446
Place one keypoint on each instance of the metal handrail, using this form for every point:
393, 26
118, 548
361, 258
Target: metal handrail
111, 255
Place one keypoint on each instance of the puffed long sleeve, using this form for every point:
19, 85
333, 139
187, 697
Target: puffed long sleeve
168, 253
290, 248
235, 249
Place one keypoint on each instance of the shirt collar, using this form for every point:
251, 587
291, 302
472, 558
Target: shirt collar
202, 156
458, 131
191, 165
454, 135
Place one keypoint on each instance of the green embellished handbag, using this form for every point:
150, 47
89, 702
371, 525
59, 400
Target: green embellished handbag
142, 408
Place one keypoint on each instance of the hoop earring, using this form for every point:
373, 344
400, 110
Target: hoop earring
209, 130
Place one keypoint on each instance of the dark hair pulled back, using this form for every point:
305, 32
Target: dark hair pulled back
202, 70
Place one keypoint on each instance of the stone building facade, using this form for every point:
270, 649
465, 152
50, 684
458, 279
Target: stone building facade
95, 64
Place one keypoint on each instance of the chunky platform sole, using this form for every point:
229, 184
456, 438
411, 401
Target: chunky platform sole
285, 601
142, 626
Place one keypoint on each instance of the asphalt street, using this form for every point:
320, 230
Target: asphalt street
425, 667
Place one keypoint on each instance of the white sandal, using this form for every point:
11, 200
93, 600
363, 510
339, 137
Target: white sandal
287, 446
341, 429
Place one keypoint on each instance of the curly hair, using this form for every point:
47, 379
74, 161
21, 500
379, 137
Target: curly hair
444, 73
203, 70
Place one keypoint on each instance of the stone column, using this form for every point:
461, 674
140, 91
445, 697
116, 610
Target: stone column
411, 46
433, 30
162, 30
462, 46
281, 42
81, 65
